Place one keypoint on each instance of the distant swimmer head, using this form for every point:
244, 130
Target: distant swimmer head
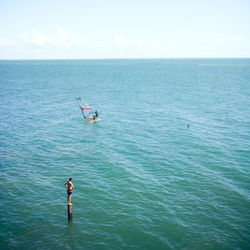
70, 179
188, 125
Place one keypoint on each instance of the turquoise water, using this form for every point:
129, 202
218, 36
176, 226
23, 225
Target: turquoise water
142, 178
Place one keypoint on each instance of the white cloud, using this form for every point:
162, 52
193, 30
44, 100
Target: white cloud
63, 45
24, 36
60, 40
4, 42
64, 36
37, 37
78, 41
120, 40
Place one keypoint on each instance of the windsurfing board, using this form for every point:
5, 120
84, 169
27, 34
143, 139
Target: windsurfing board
95, 120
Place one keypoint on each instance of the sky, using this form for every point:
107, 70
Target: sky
93, 29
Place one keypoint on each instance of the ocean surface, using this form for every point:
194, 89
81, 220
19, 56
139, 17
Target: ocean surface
143, 179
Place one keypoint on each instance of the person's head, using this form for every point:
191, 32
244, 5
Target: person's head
70, 179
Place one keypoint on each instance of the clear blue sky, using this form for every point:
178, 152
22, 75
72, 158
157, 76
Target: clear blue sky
65, 29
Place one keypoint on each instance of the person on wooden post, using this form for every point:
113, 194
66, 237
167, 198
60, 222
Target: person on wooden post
69, 185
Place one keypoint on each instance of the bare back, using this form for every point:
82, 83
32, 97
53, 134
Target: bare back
69, 185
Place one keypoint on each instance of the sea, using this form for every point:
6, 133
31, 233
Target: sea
166, 167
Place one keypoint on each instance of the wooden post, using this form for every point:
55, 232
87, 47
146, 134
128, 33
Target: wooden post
70, 212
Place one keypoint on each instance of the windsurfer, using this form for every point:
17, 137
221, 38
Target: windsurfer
95, 114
